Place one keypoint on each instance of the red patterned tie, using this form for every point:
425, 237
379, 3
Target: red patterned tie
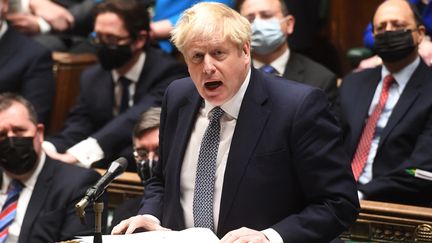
8, 211
362, 152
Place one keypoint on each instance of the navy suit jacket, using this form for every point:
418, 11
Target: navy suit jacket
304, 70
26, 68
405, 142
50, 215
286, 168
93, 113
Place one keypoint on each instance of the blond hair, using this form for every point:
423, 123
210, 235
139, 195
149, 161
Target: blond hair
205, 20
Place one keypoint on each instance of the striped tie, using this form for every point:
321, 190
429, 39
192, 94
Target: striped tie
8, 212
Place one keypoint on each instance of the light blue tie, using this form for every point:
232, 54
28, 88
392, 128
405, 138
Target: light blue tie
269, 69
205, 174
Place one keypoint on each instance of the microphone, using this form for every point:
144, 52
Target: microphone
116, 168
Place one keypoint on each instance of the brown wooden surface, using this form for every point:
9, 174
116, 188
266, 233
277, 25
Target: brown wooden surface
67, 71
389, 222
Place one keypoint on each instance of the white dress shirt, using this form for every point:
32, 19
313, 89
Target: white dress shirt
23, 200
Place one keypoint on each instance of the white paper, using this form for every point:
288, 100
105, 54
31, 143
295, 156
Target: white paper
192, 235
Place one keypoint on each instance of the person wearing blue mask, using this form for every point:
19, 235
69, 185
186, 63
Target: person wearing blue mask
271, 26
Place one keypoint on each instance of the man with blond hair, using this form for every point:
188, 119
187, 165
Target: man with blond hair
251, 157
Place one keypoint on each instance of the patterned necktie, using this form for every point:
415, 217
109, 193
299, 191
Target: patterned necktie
360, 157
124, 104
205, 174
269, 69
8, 212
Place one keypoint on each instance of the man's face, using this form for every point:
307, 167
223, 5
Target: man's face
217, 67
267, 9
396, 15
110, 30
146, 146
15, 122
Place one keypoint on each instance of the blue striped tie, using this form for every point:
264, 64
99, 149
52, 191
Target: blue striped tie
8, 212
205, 174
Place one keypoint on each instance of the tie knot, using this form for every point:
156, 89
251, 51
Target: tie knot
269, 69
15, 186
388, 80
216, 113
124, 81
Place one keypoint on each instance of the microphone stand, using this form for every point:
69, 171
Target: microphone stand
98, 207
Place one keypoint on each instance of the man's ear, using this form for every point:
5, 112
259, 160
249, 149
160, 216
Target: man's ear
289, 22
141, 39
40, 128
421, 30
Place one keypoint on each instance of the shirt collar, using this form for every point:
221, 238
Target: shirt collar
402, 76
279, 63
134, 73
3, 28
31, 182
232, 106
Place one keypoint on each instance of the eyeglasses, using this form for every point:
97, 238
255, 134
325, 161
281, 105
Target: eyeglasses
110, 40
143, 154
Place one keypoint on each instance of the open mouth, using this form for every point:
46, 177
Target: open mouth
212, 85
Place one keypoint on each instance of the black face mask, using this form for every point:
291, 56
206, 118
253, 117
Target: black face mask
393, 46
113, 56
146, 168
17, 155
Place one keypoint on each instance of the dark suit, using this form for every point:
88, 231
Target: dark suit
50, 215
405, 141
26, 68
93, 113
286, 168
304, 70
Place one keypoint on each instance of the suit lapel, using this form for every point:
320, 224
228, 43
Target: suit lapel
250, 123
6, 48
37, 200
364, 95
294, 70
407, 98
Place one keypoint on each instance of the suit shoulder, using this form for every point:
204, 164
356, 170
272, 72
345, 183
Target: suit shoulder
68, 171
312, 66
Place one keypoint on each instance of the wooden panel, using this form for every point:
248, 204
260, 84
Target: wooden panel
67, 71
346, 23
389, 222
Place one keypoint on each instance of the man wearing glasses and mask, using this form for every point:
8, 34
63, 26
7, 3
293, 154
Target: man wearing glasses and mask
146, 144
386, 111
130, 78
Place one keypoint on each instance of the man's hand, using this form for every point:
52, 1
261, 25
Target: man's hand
57, 16
24, 22
244, 235
128, 226
66, 157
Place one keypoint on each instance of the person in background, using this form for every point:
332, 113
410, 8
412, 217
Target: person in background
166, 14
60, 25
425, 48
271, 26
241, 151
37, 194
26, 67
146, 144
385, 112
130, 78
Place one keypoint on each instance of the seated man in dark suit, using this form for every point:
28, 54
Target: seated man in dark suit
130, 78
271, 26
26, 67
146, 145
249, 155
386, 112
45, 190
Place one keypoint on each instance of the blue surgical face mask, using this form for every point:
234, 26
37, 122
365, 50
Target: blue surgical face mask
266, 35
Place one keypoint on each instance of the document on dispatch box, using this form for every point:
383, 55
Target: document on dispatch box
192, 235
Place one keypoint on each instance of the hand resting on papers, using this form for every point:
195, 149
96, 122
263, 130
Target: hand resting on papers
128, 226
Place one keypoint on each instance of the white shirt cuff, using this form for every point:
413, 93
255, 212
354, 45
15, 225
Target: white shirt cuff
87, 152
360, 195
272, 235
44, 27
